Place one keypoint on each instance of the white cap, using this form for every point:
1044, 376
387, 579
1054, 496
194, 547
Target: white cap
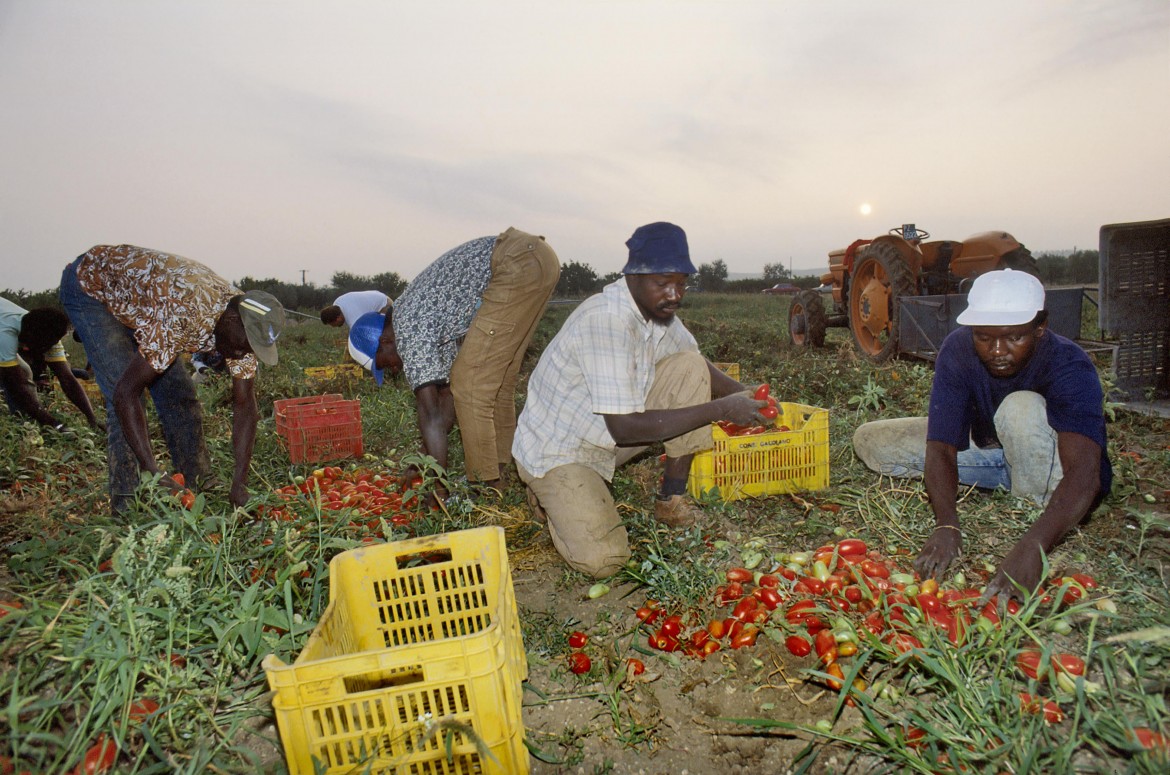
1003, 298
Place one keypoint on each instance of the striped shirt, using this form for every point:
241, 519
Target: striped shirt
172, 303
601, 362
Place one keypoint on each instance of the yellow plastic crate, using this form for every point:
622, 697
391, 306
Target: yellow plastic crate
91, 390
730, 369
340, 372
419, 644
768, 463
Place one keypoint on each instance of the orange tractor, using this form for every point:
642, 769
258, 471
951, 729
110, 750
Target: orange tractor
876, 282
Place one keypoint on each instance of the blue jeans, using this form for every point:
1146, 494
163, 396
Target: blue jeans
110, 345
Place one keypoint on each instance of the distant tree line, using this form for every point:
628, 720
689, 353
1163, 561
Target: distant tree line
580, 280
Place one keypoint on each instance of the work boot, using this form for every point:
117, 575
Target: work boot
676, 511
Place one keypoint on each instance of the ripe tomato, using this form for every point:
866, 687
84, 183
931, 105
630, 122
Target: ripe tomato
716, 628
745, 609
769, 413
762, 391
745, 637
635, 666
1085, 580
728, 593
709, 648
579, 662
1028, 661
825, 644
768, 580
142, 708
798, 646
852, 546
1052, 713
838, 675
577, 640
875, 569
100, 757
1069, 663
7, 606
742, 575
672, 626
768, 596
646, 614
1149, 739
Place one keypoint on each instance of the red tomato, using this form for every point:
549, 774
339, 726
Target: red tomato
929, 603
1028, 661
826, 646
745, 637
838, 675
769, 596
716, 628
745, 609
100, 757
768, 580
852, 546
853, 594
1069, 663
1085, 580
769, 413
577, 640
814, 624
699, 637
142, 708
875, 569
728, 593
709, 648
1052, 713
798, 645
1149, 739
635, 666
8, 606
799, 611
672, 626
742, 575
646, 614
579, 662
762, 392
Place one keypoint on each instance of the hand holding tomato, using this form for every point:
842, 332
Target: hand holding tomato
740, 408
938, 553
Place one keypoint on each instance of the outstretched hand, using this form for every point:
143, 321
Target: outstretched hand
1018, 576
939, 552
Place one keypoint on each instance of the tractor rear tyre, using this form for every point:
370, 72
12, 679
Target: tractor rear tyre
880, 279
806, 319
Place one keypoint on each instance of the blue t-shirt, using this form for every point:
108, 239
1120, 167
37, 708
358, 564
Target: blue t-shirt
965, 396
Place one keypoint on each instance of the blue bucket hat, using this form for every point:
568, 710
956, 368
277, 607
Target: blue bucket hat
659, 248
363, 341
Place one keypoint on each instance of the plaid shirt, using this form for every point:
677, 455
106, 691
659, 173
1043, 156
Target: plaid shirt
171, 302
601, 362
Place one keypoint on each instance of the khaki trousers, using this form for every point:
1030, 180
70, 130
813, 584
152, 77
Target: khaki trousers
525, 271
583, 520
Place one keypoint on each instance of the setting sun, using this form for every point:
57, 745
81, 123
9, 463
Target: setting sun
865, 209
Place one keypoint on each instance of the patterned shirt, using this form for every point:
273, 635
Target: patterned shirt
601, 362
171, 302
10, 316
434, 312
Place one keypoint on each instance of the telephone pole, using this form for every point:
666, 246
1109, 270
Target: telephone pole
303, 276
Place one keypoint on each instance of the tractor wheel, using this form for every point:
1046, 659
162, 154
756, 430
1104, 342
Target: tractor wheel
806, 319
880, 278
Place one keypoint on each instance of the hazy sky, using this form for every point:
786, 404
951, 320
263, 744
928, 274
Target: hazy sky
268, 137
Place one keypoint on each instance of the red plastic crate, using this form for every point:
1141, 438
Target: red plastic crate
319, 428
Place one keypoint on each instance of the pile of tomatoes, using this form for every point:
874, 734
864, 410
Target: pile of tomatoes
826, 602
368, 494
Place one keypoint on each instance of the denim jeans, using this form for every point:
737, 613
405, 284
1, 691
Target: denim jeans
1028, 464
110, 345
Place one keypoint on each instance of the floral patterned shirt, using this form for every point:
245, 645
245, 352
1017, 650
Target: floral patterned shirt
434, 312
171, 302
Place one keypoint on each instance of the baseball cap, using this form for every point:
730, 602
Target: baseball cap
659, 248
263, 318
1003, 298
364, 336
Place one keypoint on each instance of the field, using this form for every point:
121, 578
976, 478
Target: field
146, 635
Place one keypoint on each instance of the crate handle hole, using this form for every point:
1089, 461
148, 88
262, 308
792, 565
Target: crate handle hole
368, 682
429, 557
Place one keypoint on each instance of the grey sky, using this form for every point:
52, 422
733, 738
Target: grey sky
264, 138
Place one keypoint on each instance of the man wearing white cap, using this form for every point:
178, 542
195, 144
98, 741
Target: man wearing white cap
1013, 405
135, 311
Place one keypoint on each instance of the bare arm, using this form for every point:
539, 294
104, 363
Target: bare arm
942, 488
137, 377
1080, 460
74, 391
630, 430
436, 417
244, 415
25, 396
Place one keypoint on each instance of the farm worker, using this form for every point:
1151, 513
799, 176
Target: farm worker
622, 373
1013, 405
348, 307
459, 333
30, 340
136, 310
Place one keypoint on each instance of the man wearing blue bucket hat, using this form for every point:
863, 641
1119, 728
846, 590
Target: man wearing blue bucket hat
458, 333
622, 373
